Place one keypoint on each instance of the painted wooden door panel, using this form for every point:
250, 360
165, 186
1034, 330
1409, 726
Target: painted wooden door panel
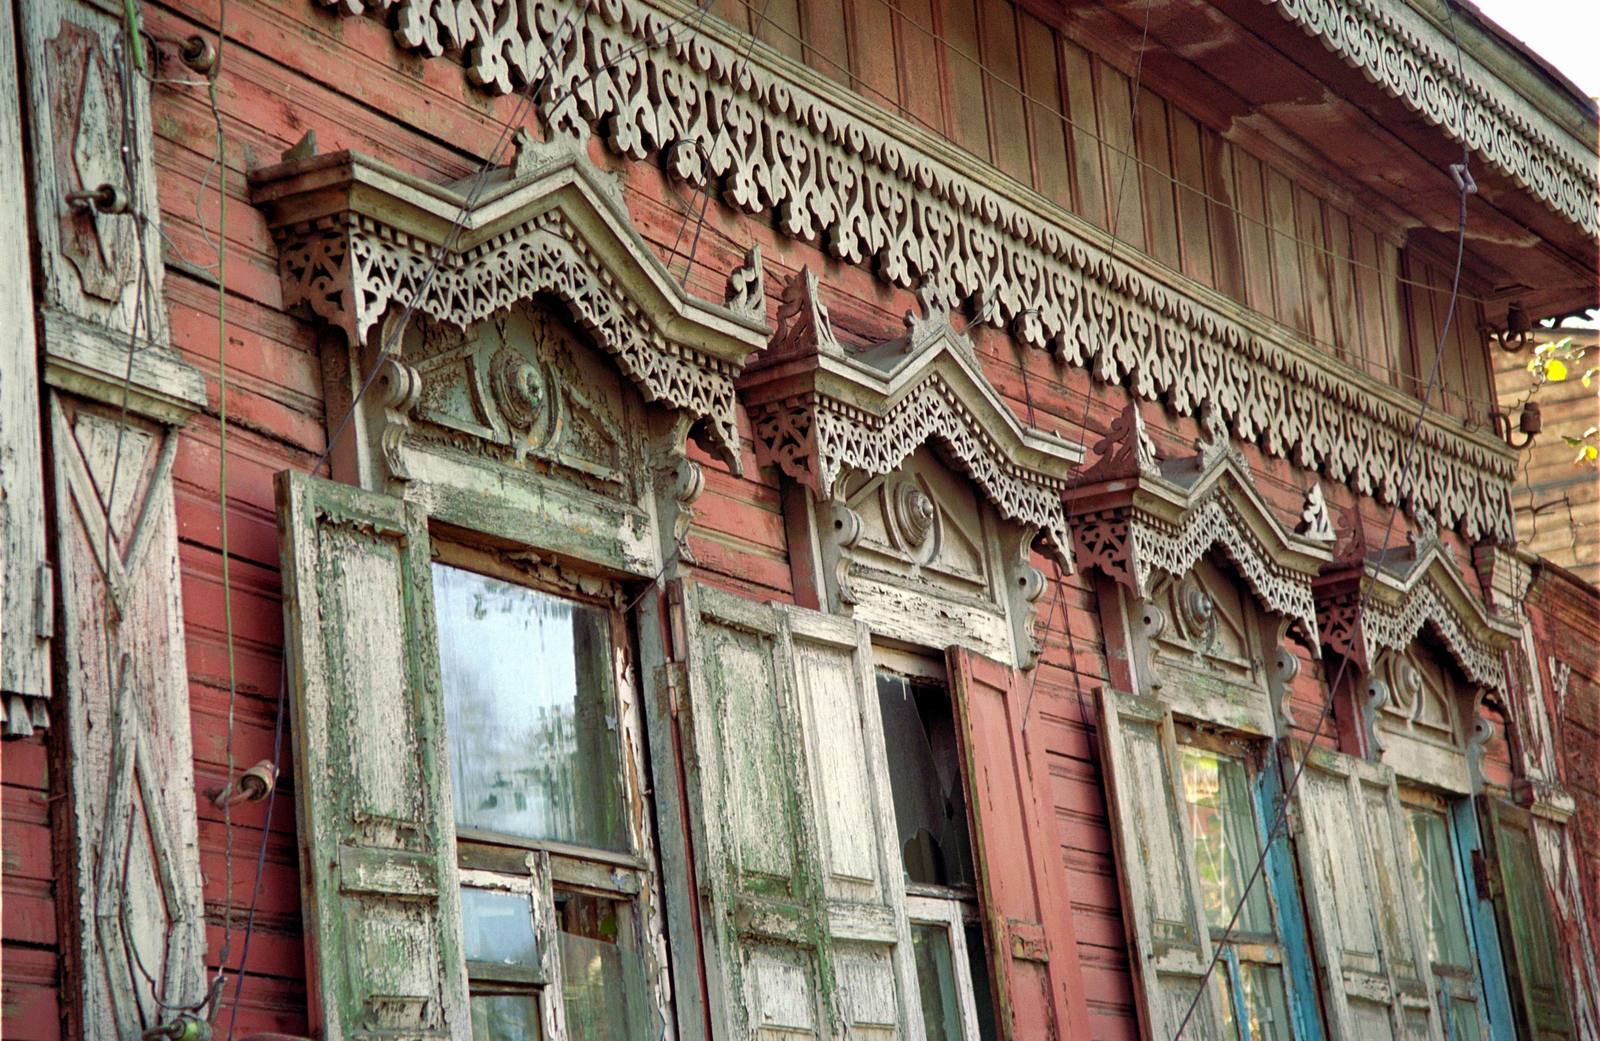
1172, 943
381, 904
793, 824
1034, 949
1531, 943
1367, 929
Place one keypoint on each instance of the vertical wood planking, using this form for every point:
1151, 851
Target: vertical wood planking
1227, 253
967, 110
777, 24
1370, 300
1314, 271
873, 55
1424, 334
1156, 177
1253, 229
1397, 358
1123, 197
1047, 130
1346, 320
1290, 298
1194, 230
1008, 120
917, 59
828, 46
1087, 168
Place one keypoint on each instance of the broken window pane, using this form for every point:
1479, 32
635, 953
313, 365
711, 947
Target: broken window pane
497, 927
982, 996
1226, 845
505, 1016
930, 807
530, 711
936, 979
1433, 874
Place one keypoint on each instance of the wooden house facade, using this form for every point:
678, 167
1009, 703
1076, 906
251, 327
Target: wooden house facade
587, 520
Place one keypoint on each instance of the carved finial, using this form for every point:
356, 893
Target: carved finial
1214, 444
524, 157
932, 323
747, 286
1424, 537
304, 148
1350, 537
1315, 524
803, 322
1125, 451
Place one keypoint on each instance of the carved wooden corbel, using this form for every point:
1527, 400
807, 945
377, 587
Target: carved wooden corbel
747, 287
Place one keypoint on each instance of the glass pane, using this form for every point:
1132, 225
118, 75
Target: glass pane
1222, 983
1433, 873
936, 980
1226, 844
604, 991
930, 805
498, 927
1464, 1025
530, 710
505, 1017
1266, 1008
978, 969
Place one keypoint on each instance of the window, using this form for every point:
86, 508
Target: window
1436, 882
931, 821
550, 872
1226, 833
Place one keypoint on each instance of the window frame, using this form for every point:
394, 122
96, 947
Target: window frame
546, 868
952, 906
1452, 983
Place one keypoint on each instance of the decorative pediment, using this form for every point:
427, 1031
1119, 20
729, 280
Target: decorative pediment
822, 412
1134, 514
357, 238
1418, 585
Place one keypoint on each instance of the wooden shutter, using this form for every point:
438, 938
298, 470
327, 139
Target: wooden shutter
1528, 934
1364, 916
793, 825
377, 836
1018, 856
1160, 894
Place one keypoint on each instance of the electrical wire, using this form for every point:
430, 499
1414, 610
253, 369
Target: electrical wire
1280, 818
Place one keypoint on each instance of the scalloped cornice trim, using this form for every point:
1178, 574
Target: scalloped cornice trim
1396, 47
832, 169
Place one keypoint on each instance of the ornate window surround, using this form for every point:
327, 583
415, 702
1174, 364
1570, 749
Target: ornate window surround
1133, 515
827, 416
1412, 587
775, 137
357, 238
357, 241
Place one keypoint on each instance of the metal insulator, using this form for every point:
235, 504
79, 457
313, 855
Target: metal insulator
199, 53
107, 198
1532, 422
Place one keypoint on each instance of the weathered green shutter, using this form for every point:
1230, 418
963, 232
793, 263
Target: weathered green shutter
1527, 929
805, 925
382, 909
1172, 945
1363, 916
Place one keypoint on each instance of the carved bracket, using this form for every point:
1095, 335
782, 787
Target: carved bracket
357, 238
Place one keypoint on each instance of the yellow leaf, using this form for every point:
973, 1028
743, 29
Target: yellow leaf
1589, 454
1555, 369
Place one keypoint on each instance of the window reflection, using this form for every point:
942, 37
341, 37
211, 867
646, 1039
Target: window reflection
530, 711
1226, 846
1433, 875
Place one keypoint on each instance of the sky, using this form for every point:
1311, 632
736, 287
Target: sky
1565, 33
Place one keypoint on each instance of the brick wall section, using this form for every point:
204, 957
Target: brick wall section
290, 68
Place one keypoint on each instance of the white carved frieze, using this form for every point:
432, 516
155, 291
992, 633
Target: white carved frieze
871, 189
360, 241
1134, 516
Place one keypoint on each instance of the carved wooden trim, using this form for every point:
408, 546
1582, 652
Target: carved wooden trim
357, 238
820, 411
1134, 515
1404, 590
1411, 59
835, 169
